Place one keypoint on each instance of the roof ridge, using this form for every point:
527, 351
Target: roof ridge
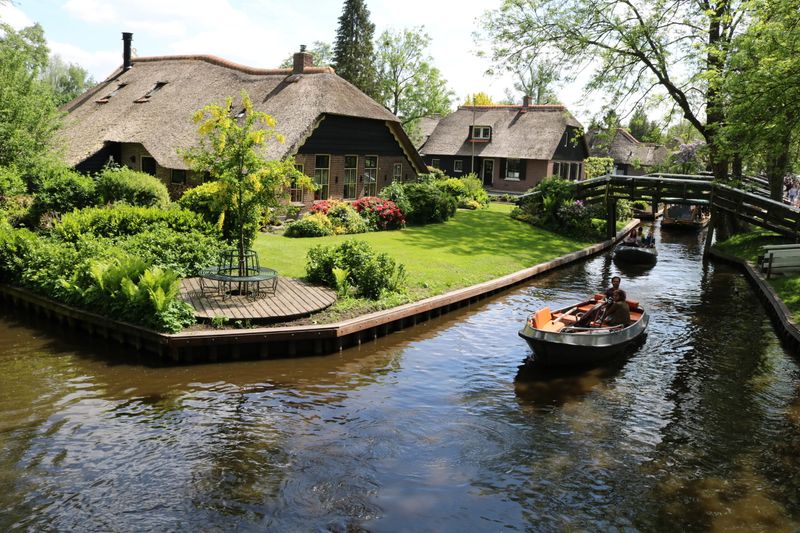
532, 107
215, 60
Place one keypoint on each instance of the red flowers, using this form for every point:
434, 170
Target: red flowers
380, 214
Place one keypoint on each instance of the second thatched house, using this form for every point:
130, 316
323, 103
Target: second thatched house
510, 147
140, 116
631, 156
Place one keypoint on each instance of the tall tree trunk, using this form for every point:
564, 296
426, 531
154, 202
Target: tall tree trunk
777, 168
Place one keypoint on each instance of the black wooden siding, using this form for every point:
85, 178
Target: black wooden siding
347, 135
575, 149
446, 165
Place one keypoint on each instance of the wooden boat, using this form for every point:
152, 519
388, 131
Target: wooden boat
647, 214
557, 339
638, 255
685, 216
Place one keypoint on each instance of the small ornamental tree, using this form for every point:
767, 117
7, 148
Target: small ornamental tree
229, 152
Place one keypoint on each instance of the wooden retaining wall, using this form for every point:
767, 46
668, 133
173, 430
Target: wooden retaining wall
285, 341
788, 330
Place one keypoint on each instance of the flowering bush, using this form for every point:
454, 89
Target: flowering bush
322, 206
380, 214
345, 219
316, 225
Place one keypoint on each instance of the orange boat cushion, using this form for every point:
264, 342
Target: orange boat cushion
633, 304
552, 325
542, 317
599, 297
635, 316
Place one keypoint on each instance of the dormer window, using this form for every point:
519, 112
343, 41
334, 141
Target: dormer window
481, 133
157, 87
106, 98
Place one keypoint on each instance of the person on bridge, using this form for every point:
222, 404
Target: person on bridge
618, 313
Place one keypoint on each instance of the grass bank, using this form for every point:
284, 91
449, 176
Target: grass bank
472, 247
747, 246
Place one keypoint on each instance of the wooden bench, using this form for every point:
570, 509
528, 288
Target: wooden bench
780, 259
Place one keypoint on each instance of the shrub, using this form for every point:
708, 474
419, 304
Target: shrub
16, 209
185, 253
453, 186
471, 204
428, 204
345, 219
317, 225
369, 273
122, 184
475, 190
205, 200
123, 220
380, 214
624, 210
322, 206
61, 193
11, 182
395, 192
598, 166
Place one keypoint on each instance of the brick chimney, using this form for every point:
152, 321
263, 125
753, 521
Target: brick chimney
302, 60
126, 51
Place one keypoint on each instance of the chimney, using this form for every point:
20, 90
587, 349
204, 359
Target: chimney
302, 60
126, 51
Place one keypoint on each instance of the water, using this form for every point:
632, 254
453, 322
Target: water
432, 429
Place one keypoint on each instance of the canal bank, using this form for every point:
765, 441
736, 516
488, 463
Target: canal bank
285, 341
782, 317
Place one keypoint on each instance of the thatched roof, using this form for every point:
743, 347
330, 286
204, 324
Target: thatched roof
625, 149
162, 123
426, 125
518, 132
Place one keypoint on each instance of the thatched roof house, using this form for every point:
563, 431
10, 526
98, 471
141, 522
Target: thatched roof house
141, 116
510, 147
631, 156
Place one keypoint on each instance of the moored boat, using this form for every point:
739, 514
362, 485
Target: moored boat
560, 338
685, 216
640, 255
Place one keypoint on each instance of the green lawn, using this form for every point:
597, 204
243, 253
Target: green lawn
748, 246
472, 247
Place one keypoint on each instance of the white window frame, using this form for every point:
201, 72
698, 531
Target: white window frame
371, 187
322, 178
508, 176
397, 172
350, 179
458, 165
481, 133
295, 192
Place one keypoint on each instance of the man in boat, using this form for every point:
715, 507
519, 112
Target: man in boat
618, 312
615, 281
650, 240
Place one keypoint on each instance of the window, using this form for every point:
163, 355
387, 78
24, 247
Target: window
568, 171
370, 175
148, 165
458, 165
566, 138
157, 87
512, 169
435, 163
106, 98
322, 173
397, 172
556, 168
350, 176
481, 133
295, 192
575, 171
178, 175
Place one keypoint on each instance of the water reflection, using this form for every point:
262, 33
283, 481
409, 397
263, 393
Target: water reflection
433, 429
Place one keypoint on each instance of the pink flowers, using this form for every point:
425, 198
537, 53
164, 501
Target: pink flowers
380, 214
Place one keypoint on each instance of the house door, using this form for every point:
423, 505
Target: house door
488, 171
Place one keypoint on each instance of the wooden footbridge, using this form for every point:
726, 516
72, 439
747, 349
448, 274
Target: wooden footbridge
754, 207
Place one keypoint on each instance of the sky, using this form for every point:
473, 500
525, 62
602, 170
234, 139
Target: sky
262, 33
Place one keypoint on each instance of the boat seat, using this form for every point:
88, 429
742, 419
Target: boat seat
633, 304
598, 297
552, 325
584, 308
566, 319
542, 317
635, 315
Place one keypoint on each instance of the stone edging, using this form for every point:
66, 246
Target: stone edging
780, 314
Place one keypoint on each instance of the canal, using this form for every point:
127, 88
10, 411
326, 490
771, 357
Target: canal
435, 428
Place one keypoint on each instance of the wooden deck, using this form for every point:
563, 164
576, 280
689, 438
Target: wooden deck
293, 298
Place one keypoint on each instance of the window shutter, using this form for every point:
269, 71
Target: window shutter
469, 132
502, 169
523, 166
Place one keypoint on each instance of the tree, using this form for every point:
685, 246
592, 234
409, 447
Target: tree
480, 98
681, 47
321, 53
763, 122
353, 50
66, 80
28, 115
535, 78
409, 86
229, 151
642, 128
